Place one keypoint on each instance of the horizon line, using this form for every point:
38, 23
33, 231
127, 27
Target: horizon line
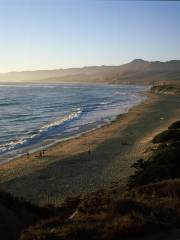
86, 66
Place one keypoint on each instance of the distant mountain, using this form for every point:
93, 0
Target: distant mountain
136, 72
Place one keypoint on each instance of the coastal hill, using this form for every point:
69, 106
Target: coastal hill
137, 71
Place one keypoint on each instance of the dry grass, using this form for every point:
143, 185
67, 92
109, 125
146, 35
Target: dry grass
106, 215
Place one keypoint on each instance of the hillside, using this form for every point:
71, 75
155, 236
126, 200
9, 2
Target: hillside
136, 72
16, 214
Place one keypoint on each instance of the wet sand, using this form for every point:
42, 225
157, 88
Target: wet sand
68, 169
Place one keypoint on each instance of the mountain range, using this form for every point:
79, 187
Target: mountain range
137, 71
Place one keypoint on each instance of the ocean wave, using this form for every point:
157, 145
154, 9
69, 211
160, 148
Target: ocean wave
12, 145
67, 118
105, 103
43, 131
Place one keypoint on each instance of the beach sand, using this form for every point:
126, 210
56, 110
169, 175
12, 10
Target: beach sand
67, 169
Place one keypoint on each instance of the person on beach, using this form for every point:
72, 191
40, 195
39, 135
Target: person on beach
43, 152
27, 154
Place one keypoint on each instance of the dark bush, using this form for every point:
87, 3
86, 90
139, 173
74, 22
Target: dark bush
126, 206
163, 164
168, 135
175, 125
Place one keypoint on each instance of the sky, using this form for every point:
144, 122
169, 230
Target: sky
49, 34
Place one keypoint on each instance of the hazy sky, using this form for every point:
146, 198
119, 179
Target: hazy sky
45, 34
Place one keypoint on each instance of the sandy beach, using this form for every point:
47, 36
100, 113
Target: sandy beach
68, 169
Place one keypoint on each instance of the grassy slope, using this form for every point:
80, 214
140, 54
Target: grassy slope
17, 214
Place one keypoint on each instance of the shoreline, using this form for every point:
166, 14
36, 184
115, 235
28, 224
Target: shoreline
76, 136
46, 147
68, 170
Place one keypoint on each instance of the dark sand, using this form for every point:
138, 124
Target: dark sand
68, 170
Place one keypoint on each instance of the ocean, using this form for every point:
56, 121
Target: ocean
34, 116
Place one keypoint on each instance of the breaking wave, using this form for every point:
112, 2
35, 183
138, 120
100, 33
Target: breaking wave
41, 133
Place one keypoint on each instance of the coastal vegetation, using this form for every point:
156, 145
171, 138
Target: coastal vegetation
166, 89
162, 164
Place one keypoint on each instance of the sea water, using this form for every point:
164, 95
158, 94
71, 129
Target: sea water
36, 115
